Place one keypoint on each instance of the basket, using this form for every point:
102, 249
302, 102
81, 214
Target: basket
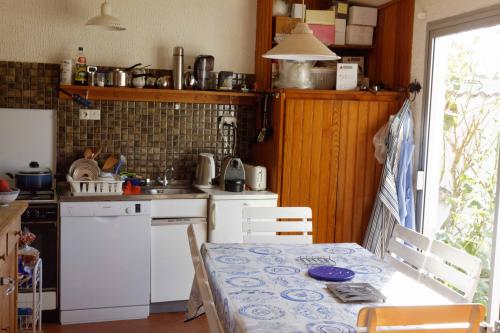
323, 77
102, 186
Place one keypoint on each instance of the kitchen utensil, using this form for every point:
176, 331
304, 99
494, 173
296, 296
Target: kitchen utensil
331, 273
139, 77
118, 78
100, 79
7, 197
178, 67
33, 178
121, 162
255, 177
110, 163
205, 170
262, 133
83, 162
164, 82
77, 98
232, 169
91, 75
88, 153
96, 153
203, 66
189, 79
67, 71
226, 80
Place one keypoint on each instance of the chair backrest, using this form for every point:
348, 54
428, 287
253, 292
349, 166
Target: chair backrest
201, 277
407, 250
261, 225
456, 318
452, 272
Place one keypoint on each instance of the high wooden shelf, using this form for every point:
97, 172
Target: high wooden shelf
161, 95
388, 61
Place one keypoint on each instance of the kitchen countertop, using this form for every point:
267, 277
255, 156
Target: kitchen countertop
217, 193
64, 195
11, 212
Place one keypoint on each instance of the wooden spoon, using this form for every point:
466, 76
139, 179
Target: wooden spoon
110, 163
87, 153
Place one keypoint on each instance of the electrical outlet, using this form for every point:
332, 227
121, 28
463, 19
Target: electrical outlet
228, 120
90, 114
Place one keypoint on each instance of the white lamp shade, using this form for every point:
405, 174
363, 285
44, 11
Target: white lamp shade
301, 45
105, 21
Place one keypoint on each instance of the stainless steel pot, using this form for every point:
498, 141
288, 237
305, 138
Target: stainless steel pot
120, 77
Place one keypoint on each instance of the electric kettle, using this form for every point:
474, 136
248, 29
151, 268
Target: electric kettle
205, 170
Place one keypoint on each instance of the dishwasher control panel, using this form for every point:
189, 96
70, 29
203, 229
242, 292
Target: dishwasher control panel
106, 208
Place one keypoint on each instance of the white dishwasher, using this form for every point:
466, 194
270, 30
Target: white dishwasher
105, 261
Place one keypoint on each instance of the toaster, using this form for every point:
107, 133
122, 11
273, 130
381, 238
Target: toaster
255, 177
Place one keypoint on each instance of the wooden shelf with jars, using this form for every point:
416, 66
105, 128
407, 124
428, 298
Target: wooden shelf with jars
161, 95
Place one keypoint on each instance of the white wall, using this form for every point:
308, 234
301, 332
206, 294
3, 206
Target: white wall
434, 10
51, 30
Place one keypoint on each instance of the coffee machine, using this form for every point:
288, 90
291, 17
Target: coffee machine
203, 67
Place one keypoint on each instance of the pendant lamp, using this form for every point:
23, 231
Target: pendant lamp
301, 45
105, 21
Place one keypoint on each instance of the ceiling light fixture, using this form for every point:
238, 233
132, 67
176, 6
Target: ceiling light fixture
105, 21
301, 45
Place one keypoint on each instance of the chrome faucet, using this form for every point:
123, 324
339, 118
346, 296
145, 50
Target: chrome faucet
168, 176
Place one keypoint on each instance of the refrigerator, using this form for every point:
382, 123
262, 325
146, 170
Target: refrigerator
225, 212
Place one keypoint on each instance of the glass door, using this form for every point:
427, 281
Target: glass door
459, 203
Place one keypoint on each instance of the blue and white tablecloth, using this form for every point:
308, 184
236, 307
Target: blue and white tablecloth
263, 288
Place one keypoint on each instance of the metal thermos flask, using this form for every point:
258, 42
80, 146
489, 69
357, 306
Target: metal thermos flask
178, 67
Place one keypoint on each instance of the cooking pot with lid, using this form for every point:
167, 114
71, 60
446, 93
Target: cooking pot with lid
34, 178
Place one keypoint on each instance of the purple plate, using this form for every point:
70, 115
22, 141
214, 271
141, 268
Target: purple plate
331, 273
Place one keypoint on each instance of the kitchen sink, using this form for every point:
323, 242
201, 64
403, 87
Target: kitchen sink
170, 191
184, 191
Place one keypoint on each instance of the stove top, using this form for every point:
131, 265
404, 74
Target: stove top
49, 195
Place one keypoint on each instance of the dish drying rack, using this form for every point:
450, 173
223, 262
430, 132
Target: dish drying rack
102, 186
30, 314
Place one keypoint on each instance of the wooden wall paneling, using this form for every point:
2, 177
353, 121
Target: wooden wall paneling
263, 43
390, 61
359, 172
310, 162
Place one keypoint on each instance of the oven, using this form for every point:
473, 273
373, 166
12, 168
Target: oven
42, 220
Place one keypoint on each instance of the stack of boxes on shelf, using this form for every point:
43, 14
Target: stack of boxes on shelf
360, 25
340, 25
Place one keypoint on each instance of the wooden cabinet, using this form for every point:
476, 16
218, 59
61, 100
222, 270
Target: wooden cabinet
10, 226
321, 155
388, 61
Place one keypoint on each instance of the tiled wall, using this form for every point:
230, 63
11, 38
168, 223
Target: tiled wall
151, 135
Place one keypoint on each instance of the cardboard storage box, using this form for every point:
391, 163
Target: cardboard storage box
347, 76
320, 17
341, 9
284, 24
325, 33
340, 27
362, 16
356, 60
359, 35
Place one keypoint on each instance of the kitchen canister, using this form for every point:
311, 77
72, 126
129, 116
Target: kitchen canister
66, 71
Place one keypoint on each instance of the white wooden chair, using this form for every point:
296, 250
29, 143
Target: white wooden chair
452, 272
201, 277
407, 250
261, 225
456, 318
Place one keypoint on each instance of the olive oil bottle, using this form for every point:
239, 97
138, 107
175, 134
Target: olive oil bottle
80, 68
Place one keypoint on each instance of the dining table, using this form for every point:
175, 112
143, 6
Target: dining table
267, 287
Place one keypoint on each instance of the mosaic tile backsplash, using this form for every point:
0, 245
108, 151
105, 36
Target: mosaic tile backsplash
151, 135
